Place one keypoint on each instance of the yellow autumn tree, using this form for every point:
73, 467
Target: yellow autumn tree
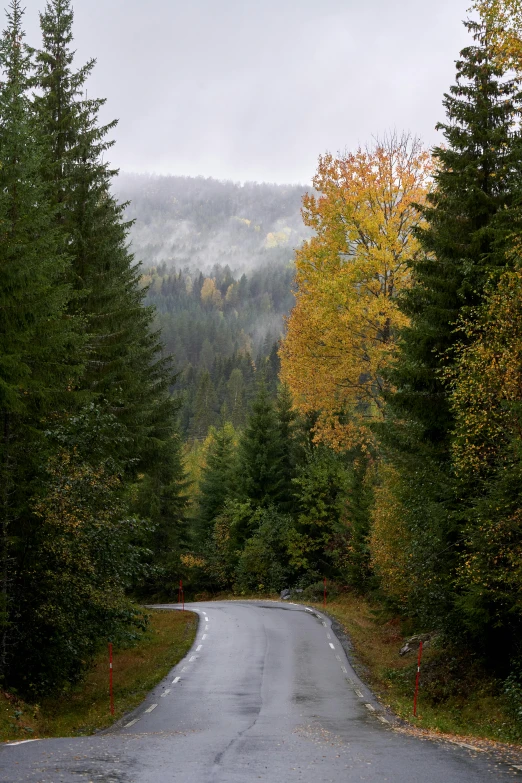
390, 539
504, 21
342, 331
486, 379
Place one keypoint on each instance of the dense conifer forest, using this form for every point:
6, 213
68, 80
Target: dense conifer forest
163, 421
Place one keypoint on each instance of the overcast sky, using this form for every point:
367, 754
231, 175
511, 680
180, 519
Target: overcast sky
258, 89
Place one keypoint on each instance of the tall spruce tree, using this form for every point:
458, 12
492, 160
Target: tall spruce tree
477, 178
123, 362
476, 184
36, 340
260, 455
218, 478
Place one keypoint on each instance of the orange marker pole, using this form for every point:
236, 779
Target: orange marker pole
417, 681
110, 679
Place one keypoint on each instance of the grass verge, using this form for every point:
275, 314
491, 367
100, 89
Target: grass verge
85, 708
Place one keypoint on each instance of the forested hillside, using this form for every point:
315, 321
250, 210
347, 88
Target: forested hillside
218, 263
196, 223
219, 329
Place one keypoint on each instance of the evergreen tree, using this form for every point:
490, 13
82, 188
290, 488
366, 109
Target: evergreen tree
476, 182
235, 398
123, 361
205, 405
476, 179
218, 478
260, 453
286, 420
36, 340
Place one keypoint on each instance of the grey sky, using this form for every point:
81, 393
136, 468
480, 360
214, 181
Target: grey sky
258, 89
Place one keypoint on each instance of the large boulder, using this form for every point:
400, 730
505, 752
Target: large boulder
412, 644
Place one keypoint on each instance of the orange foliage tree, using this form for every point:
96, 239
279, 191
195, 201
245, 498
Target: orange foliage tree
341, 335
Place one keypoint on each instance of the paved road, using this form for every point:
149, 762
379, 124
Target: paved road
266, 694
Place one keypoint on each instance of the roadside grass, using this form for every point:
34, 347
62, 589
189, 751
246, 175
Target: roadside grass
473, 706
85, 708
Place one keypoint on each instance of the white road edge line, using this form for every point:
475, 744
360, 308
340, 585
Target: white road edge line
382, 719
192, 658
328, 636
359, 694
198, 648
128, 725
344, 671
369, 707
203, 637
177, 679
331, 645
165, 693
515, 767
206, 627
308, 610
21, 742
338, 658
152, 707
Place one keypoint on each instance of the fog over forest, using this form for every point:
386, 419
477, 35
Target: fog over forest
196, 222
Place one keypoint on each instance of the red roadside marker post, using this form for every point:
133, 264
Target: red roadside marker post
110, 679
417, 681
324, 597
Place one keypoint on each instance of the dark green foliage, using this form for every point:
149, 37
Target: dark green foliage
220, 336
205, 405
321, 489
79, 558
286, 420
477, 177
264, 564
260, 454
90, 460
464, 243
219, 478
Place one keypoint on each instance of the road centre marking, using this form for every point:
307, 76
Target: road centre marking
128, 725
331, 645
176, 680
369, 707
152, 707
165, 693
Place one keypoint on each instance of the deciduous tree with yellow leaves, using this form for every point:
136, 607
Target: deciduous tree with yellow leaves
341, 334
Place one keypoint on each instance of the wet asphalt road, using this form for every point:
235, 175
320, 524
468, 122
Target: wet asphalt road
266, 694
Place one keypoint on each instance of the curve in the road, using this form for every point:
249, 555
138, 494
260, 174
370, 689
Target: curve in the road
266, 693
